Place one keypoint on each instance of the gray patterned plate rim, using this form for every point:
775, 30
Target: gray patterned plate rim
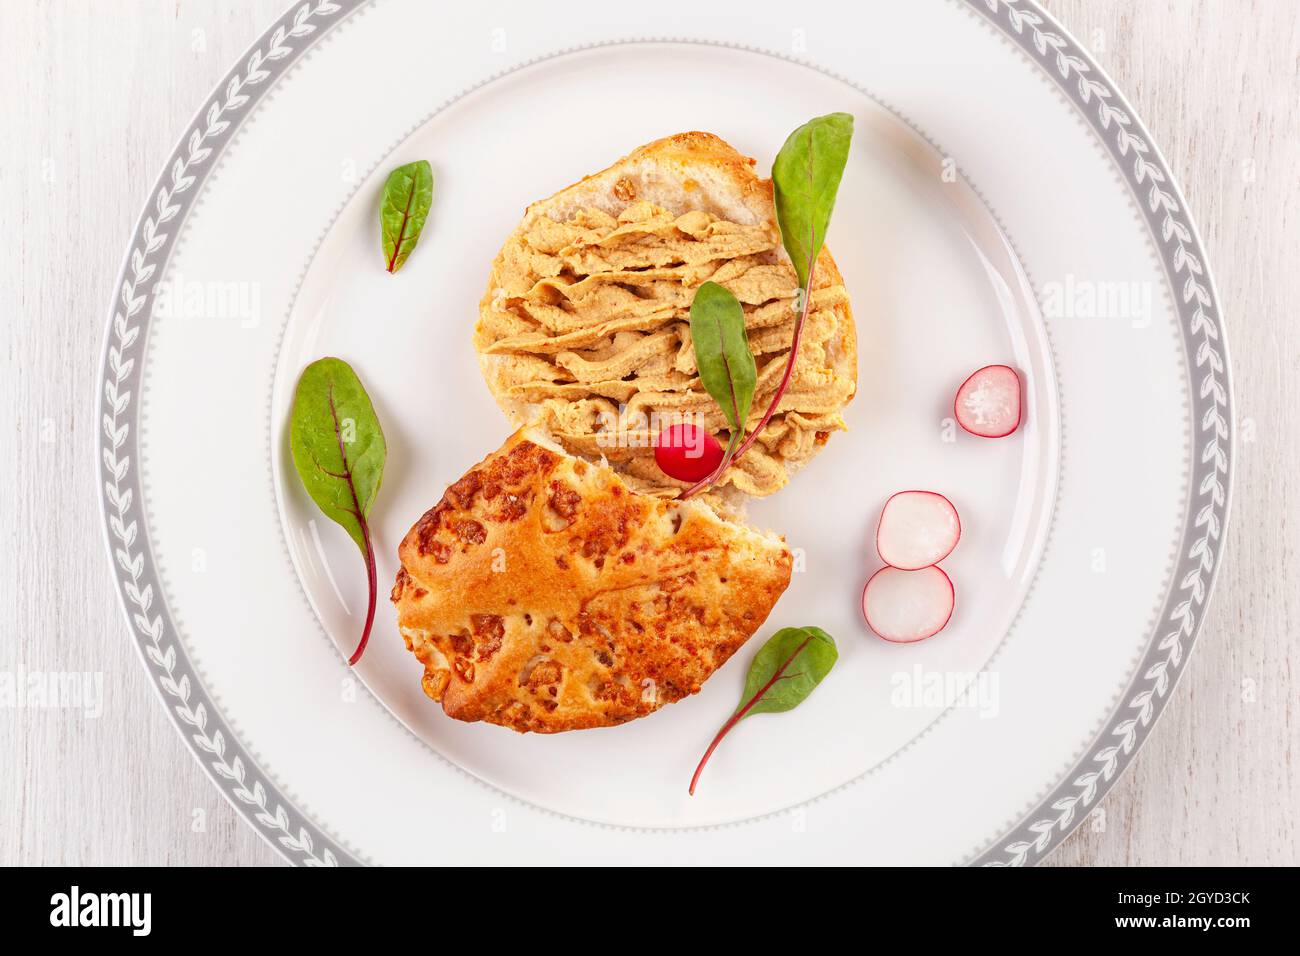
1026, 26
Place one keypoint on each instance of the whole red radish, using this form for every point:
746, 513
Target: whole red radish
988, 403
687, 452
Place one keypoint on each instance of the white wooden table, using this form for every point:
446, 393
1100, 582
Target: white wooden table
94, 95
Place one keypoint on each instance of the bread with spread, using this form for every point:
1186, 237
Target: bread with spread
584, 326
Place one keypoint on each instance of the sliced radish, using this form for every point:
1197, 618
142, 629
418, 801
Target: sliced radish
687, 452
988, 403
907, 606
917, 529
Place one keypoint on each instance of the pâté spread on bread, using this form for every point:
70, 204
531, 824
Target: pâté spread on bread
584, 326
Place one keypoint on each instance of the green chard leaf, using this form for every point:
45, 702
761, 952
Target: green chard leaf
722, 354
786, 670
408, 194
781, 676
805, 179
337, 444
339, 451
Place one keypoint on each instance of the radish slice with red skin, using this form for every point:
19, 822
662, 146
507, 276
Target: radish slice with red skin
988, 403
917, 529
908, 606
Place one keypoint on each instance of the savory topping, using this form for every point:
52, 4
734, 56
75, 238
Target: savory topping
781, 676
408, 194
908, 606
917, 529
988, 403
339, 451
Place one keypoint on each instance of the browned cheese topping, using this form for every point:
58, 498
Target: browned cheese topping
543, 595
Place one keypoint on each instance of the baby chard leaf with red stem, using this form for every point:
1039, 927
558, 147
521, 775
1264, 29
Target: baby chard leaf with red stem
722, 355
805, 181
339, 451
781, 676
408, 194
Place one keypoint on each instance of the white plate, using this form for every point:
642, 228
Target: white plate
988, 151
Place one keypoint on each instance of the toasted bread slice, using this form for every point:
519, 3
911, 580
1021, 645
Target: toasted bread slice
681, 173
542, 594
585, 322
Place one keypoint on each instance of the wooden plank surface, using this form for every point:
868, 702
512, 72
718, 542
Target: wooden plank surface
95, 95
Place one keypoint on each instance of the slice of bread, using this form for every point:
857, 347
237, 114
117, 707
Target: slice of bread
542, 594
585, 320
680, 173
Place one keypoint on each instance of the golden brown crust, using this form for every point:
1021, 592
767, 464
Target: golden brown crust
542, 594
685, 152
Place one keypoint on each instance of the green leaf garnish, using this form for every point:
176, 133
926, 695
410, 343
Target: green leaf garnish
787, 669
339, 451
408, 194
726, 365
781, 676
805, 180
